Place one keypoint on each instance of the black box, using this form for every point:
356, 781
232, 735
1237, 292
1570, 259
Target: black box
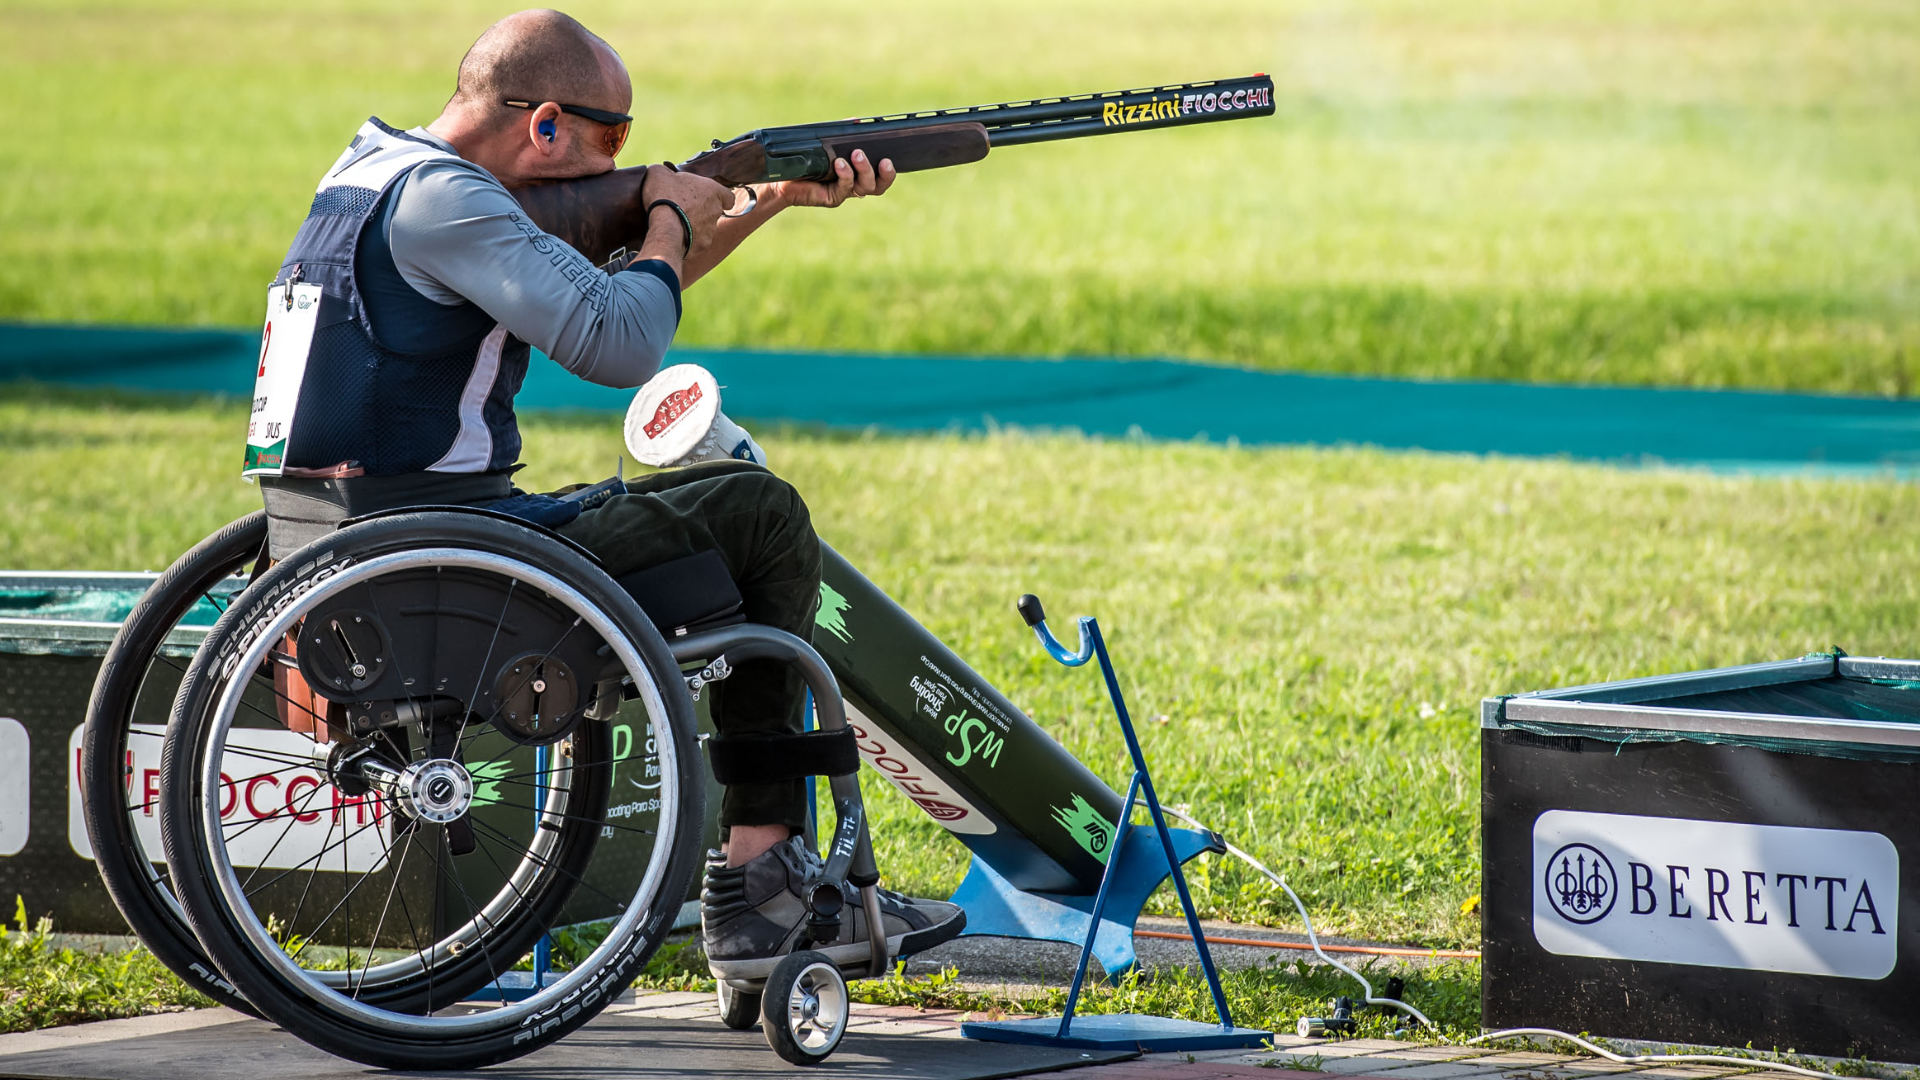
1728, 857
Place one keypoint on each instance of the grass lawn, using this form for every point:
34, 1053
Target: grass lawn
1305, 634
44, 983
1622, 191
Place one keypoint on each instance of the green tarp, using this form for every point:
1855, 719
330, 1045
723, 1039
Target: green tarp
1725, 430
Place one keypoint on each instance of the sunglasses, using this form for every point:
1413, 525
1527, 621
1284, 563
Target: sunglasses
617, 124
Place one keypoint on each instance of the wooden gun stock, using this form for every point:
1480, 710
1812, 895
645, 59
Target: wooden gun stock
920, 148
594, 215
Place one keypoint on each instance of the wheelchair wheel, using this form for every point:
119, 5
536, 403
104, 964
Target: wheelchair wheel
739, 1009
120, 756
441, 772
805, 1008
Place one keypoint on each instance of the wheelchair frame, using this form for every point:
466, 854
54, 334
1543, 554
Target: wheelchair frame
1013, 843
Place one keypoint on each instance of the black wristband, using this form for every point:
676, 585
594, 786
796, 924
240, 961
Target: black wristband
686, 222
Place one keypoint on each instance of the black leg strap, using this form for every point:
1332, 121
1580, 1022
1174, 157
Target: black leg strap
766, 759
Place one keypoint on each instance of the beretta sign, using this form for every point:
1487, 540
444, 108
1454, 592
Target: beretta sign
1716, 894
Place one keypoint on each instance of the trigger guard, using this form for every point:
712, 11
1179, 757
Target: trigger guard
753, 200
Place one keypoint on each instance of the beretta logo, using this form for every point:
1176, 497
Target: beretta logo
1581, 884
1716, 894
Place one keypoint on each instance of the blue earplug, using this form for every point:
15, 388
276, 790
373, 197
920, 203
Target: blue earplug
546, 128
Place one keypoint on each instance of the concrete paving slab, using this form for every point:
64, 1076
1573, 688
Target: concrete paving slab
908, 1027
1442, 1053
1398, 1058
1274, 1062
1442, 1070
705, 1009
1363, 1065
908, 1012
631, 1047
1163, 1070
1524, 1059
650, 1001
106, 1031
1241, 1056
1348, 1048
1688, 1072
1291, 1056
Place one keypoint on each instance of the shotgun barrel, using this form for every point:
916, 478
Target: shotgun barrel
943, 137
598, 215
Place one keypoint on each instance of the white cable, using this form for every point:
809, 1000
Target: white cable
1312, 938
1650, 1059
1635, 1059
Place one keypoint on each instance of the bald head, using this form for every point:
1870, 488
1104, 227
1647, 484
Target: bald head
540, 55
546, 60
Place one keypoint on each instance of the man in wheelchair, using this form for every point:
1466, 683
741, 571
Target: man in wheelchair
400, 327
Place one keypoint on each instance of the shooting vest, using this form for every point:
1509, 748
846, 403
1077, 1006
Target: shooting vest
429, 390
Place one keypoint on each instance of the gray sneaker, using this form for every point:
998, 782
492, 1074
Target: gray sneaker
751, 915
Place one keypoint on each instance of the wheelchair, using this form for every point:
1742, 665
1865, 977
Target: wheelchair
427, 746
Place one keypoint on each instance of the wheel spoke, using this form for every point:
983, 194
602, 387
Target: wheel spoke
595, 822
284, 833
480, 674
300, 905
619, 903
373, 942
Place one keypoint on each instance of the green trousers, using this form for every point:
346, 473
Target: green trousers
761, 528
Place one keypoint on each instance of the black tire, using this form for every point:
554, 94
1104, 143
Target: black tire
140, 660
343, 1013
739, 1009
805, 1008
139, 666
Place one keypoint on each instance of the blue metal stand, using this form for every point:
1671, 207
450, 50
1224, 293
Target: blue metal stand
1128, 880
807, 723
521, 985
996, 908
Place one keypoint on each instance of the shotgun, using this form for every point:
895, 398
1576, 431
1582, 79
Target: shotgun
599, 215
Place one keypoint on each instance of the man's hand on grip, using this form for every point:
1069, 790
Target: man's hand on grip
701, 198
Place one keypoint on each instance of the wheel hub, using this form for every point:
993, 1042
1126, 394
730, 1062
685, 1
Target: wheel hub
437, 790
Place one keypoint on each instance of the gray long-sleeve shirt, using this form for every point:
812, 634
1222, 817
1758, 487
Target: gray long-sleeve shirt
458, 237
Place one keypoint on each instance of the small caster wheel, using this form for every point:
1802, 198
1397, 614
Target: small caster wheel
739, 1009
805, 1008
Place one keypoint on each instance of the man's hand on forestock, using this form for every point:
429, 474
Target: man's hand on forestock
855, 179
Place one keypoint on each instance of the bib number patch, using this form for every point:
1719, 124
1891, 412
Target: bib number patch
292, 313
